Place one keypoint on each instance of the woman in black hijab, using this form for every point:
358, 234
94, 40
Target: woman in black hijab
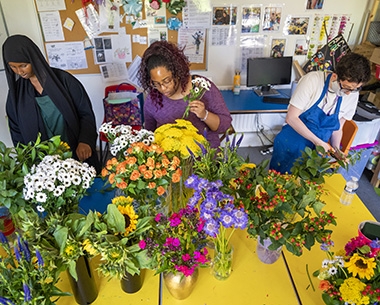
46, 100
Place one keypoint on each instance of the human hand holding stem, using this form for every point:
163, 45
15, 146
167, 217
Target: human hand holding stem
199, 87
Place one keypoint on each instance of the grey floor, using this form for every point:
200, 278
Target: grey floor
365, 192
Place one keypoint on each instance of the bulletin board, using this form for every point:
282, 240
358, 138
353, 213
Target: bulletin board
79, 34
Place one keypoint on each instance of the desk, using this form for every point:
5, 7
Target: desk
249, 102
348, 220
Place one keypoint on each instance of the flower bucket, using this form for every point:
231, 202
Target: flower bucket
266, 255
6, 223
370, 230
131, 283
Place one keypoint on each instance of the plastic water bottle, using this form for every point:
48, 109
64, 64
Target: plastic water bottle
349, 191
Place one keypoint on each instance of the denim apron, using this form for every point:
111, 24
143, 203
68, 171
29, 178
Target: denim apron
289, 145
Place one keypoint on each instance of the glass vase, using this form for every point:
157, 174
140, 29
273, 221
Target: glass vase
131, 283
222, 262
266, 255
180, 286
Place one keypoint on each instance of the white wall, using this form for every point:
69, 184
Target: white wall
21, 18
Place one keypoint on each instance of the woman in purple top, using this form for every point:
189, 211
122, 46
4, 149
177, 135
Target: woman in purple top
165, 76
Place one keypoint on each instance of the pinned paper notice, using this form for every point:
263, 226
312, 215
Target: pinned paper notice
69, 24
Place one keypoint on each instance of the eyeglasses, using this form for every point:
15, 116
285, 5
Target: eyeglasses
347, 90
165, 83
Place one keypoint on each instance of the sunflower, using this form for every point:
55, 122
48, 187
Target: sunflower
362, 266
122, 200
130, 218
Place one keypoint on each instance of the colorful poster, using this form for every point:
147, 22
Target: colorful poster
272, 18
277, 47
296, 25
251, 17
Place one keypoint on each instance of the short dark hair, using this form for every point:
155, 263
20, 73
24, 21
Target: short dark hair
354, 68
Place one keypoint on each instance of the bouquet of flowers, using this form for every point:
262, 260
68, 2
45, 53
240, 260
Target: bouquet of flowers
177, 243
220, 213
179, 138
199, 87
26, 278
115, 236
351, 276
144, 173
57, 185
122, 136
283, 208
15, 163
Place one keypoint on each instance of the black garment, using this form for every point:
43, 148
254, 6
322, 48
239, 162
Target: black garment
67, 93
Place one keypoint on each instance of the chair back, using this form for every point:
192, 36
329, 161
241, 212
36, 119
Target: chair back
349, 131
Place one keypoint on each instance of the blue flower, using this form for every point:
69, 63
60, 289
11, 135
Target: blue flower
26, 251
5, 301
40, 260
27, 295
241, 218
3, 239
211, 227
226, 219
17, 253
375, 243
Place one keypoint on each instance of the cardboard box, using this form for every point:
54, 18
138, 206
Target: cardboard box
366, 49
375, 57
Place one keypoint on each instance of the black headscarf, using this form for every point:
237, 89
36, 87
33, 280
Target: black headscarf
20, 49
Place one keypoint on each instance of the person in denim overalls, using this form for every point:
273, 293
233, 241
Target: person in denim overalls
318, 109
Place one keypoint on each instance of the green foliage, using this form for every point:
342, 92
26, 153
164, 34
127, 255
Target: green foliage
27, 277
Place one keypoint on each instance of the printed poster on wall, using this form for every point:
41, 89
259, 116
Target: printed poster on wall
251, 17
272, 18
295, 25
194, 42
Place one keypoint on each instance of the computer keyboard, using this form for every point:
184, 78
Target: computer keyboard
276, 100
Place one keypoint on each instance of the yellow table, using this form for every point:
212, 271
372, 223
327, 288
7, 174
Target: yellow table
348, 220
251, 281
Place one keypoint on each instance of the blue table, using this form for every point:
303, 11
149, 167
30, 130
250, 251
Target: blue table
249, 102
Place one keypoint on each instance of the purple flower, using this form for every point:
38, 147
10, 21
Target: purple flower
375, 244
5, 301
241, 218
39, 258
17, 253
27, 295
3, 239
26, 250
211, 227
226, 219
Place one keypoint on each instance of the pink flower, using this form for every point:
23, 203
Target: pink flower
176, 242
175, 220
186, 257
199, 257
142, 244
157, 218
185, 270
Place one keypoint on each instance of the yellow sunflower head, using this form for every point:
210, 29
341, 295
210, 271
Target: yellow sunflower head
122, 201
130, 218
362, 266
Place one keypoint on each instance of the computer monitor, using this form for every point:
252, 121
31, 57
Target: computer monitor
264, 72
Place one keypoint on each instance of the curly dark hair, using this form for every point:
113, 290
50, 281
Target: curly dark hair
354, 68
168, 55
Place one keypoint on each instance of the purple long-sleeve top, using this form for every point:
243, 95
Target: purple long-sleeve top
174, 109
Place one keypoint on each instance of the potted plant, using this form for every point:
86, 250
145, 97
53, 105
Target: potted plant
176, 245
283, 209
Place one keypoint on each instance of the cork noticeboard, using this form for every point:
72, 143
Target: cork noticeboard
79, 34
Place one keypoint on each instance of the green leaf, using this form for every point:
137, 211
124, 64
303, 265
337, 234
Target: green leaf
115, 219
60, 235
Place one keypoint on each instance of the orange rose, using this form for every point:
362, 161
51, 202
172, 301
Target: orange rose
176, 161
148, 174
160, 190
111, 178
165, 162
324, 285
129, 150
164, 172
150, 163
157, 174
130, 160
122, 185
151, 185
135, 175
104, 172
121, 167
142, 168
177, 175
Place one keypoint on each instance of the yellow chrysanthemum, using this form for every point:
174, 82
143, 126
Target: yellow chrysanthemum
130, 218
64, 145
247, 165
351, 291
122, 200
362, 266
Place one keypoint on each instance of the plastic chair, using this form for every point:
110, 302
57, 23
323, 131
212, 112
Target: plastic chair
113, 113
349, 131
